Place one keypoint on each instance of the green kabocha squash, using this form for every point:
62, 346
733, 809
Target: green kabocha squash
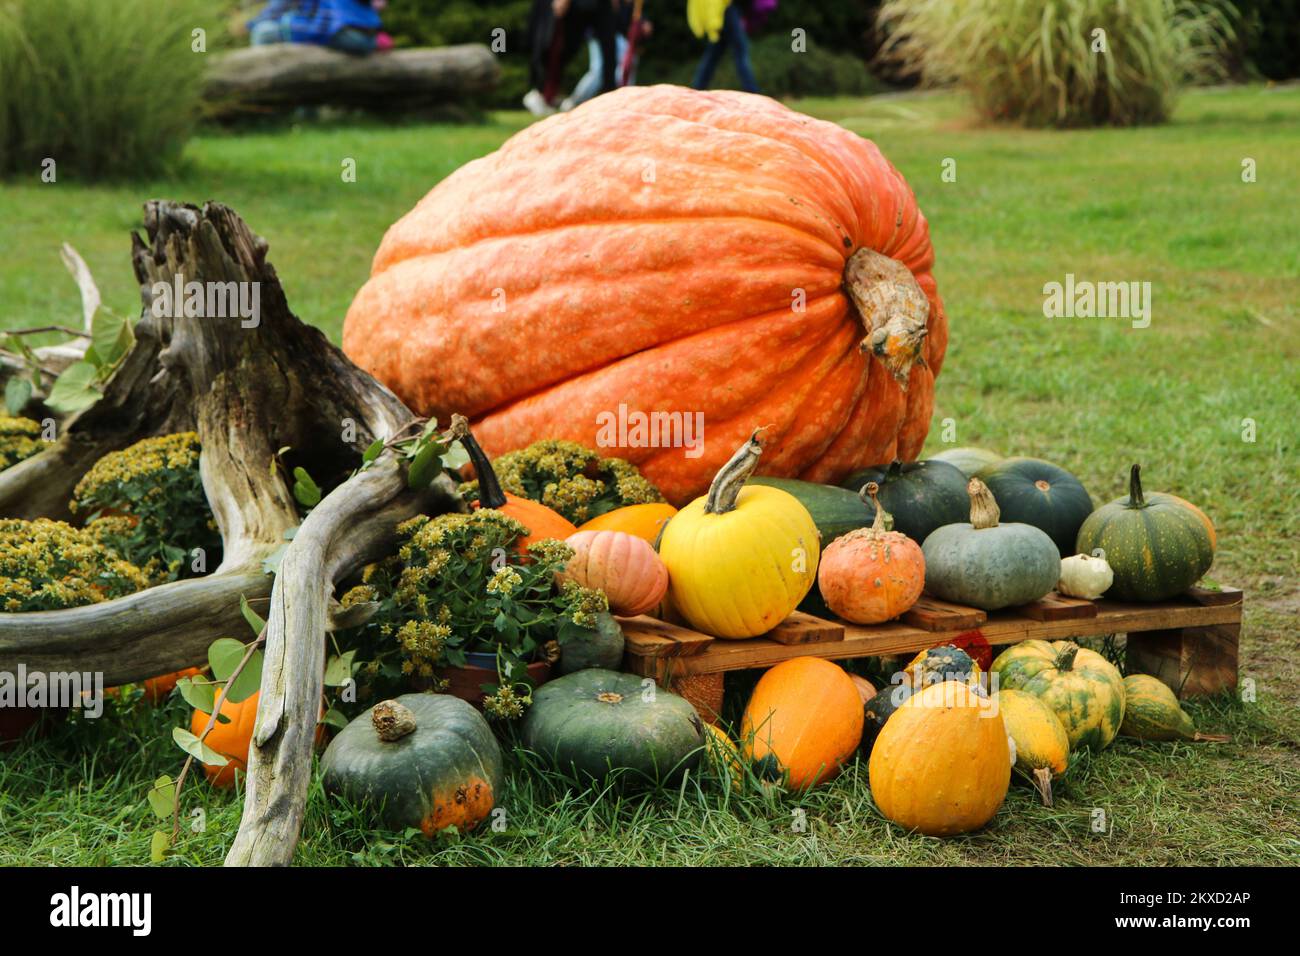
1084, 690
1157, 545
879, 709
600, 646
921, 495
1036, 492
1152, 712
986, 564
423, 760
1042, 747
969, 460
595, 722
836, 511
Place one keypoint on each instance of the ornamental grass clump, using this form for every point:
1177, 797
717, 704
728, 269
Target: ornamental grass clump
457, 585
47, 565
155, 486
1061, 63
571, 479
20, 438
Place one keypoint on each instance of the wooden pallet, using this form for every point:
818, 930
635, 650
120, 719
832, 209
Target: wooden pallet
1189, 642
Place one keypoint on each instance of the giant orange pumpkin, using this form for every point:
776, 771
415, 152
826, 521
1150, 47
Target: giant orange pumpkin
663, 250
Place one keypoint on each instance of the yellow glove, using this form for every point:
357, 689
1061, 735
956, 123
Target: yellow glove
705, 17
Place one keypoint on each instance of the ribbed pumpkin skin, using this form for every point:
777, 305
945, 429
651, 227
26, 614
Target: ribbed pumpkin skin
628, 252
1088, 698
1041, 740
941, 765
1156, 551
645, 521
595, 721
1152, 712
807, 713
921, 496
624, 566
1036, 492
990, 568
445, 773
737, 574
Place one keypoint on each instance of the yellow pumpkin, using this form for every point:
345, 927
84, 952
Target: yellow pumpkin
806, 714
723, 756
1042, 745
741, 558
643, 521
941, 764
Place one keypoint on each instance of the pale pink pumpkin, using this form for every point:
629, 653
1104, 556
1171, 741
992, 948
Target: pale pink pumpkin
622, 565
871, 575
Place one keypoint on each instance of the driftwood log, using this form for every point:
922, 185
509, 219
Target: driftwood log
285, 75
248, 390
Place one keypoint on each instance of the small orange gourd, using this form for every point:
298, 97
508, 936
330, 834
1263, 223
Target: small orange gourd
541, 521
645, 520
871, 575
624, 566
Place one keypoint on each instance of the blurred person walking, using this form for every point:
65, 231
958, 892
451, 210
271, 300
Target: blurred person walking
722, 23
556, 29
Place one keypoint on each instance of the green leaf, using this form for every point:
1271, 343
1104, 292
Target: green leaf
374, 451
199, 694
74, 389
306, 491
159, 844
339, 669
162, 797
455, 458
255, 620
271, 563
197, 748
110, 336
425, 467
224, 654
18, 392
334, 718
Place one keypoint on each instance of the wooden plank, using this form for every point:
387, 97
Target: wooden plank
801, 628
645, 636
1191, 660
1209, 598
703, 692
1058, 607
931, 614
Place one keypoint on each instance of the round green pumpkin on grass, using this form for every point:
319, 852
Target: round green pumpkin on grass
1157, 545
968, 460
1152, 712
595, 722
422, 760
920, 495
989, 565
1036, 492
1083, 689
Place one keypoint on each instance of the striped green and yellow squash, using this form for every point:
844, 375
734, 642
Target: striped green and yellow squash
1083, 689
1152, 712
1158, 545
1042, 747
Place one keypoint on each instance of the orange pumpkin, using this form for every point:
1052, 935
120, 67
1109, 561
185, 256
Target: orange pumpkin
625, 567
664, 252
807, 714
644, 521
871, 575
541, 521
156, 689
231, 740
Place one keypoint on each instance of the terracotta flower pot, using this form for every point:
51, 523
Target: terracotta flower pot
467, 682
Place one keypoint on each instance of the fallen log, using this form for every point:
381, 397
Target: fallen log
285, 75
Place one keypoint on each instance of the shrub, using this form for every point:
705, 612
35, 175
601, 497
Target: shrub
1033, 62
20, 438
46, 565
105, 89
1270, 37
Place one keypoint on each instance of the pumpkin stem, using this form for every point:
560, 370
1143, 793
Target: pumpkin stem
878, 524
1043, 784
984, 511
893, 310
392, 721
1210, 738
490, 494
732, 477
1135, 498
1065, 659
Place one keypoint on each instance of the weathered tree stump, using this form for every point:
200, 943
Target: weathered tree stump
248, 389
285, 75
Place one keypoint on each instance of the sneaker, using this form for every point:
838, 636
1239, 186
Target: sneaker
535, 104
567, 104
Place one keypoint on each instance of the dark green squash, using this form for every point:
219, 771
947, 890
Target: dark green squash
836, 511
986, 564
878, 710
595, 722
921, 495
1157, 544
1036, 492
601, 646
423, 760
969, 460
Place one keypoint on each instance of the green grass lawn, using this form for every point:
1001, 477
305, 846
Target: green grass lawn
1165, 205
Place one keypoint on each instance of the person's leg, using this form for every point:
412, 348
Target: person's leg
605, 30
351, 40
709, 63
733, 32
540, 23
589, 85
